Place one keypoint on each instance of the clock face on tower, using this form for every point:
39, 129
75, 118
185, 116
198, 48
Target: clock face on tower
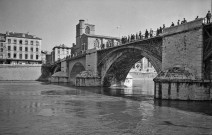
87, 30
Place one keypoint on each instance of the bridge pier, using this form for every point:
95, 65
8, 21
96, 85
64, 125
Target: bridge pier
179, 84
183, 90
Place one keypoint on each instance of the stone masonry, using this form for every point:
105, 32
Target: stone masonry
182, 76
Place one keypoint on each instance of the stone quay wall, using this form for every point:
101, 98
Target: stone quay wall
19, 72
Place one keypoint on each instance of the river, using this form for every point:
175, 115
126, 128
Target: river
37, 108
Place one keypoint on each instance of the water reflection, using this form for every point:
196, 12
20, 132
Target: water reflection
192, 106
39, 108
143, 90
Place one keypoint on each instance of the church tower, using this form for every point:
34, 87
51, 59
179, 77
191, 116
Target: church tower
83, 28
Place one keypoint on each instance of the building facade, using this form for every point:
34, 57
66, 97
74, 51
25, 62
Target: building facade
2, 48
59, 52
20, 48
87, 39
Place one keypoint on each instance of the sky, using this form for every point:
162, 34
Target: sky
55, 20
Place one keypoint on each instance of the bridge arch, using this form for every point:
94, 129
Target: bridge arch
76, 69
116, 64
56, 68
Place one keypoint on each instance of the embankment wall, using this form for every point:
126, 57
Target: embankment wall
19, 72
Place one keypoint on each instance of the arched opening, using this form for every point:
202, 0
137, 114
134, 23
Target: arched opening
143, 69
140, 78
119, 63
57, 68
77, 68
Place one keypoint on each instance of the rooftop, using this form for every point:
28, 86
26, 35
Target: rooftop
2, 37
21, 35
61, 46
89, 24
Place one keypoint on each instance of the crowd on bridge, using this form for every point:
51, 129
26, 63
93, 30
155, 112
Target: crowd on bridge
151, 33
140, 36
208, 19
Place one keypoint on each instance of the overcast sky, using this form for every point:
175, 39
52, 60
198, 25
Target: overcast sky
55, 20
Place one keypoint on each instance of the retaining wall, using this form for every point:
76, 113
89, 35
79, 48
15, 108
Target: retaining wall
19, 72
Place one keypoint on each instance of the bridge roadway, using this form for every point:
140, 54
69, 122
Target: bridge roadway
181, 55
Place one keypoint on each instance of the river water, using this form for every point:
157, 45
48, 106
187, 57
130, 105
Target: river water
36, 108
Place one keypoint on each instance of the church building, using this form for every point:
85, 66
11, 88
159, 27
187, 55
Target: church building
87, 39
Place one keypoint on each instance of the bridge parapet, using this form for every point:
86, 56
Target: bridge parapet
183, 27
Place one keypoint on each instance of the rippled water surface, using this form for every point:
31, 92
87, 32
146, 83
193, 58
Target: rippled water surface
36, 108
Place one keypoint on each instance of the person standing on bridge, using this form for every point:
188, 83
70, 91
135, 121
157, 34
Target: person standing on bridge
178, 22
140, 35
157, 32
137, 37
160, 30
128, 38
196, 17
151, 32
208, 17
146, 34
184, 21
172, 24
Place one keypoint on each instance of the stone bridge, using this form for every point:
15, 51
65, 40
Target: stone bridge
181, 55
114, 64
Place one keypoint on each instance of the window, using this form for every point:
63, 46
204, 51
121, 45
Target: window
26, 56
31, 42
96, 44
20, 56
31, 56
26, 49
87, 30
37, 57
37, 42
9, 48
20, 48
8, 55
26, 42
9, 41
36, 49
67, 51
31, 49
1, 49
2, 44
15, 41
14, 55
149, 64
109, 43
15, 48
20, 42
58, 51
